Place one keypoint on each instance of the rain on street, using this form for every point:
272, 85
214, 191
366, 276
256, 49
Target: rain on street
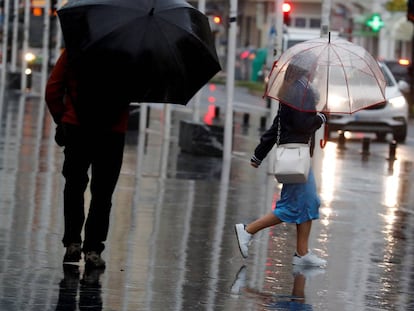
171, 243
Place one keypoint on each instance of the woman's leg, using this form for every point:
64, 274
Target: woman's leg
302, 237
265, 221
303, 256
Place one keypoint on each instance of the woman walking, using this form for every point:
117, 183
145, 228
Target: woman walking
299, 203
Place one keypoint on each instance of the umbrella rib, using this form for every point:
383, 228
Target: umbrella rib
345, 76
294, 54
312, 69
176, 56
367, 65
190, 33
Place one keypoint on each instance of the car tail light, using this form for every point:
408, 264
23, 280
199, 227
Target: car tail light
403, 62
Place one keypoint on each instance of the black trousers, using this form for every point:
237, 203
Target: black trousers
102, 152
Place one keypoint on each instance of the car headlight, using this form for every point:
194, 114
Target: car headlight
397, 102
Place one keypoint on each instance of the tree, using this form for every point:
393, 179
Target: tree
396, 5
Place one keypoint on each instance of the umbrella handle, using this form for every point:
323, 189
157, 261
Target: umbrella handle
323, 141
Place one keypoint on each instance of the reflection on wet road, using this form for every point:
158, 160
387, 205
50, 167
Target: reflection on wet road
171, 244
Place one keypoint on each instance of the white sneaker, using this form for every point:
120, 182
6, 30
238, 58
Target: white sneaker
243, 238
240, 281
310, 259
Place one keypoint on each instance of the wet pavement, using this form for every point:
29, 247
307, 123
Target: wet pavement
171, 244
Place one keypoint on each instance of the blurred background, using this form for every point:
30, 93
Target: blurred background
31, 38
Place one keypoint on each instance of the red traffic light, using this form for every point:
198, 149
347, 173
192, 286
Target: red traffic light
286, 7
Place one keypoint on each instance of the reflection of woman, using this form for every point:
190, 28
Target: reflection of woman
298, 203
271, 301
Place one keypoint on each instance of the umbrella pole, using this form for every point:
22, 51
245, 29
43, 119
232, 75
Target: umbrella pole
231, 59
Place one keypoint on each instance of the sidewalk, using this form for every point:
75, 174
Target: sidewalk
171, 244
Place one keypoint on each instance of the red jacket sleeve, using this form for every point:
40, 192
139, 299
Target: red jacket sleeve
56, 89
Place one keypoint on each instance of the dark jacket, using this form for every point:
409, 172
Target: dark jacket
296, 127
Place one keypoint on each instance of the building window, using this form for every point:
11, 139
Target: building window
315, 23
300, 22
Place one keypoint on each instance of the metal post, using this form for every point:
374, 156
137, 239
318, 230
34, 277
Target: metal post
274, 105
15, 35
197, 97
58, 38
45, 49
216, 112
25, 47
341, 140
325, 17
231, 59
4, 53
365, 146
392, 151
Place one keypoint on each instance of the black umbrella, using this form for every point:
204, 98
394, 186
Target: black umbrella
158, 51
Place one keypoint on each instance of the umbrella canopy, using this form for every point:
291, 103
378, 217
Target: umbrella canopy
158, 51
339, 76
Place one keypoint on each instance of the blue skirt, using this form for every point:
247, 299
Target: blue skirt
298, 203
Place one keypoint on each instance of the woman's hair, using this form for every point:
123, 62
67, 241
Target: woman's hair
294, 72
299, 67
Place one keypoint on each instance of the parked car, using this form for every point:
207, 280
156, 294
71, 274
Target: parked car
400, 69
389, 117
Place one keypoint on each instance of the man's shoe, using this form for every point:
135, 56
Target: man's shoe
94, 260
91, 277
243, 239
73, 253
310, 259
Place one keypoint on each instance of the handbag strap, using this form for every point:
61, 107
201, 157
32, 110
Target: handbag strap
278, 125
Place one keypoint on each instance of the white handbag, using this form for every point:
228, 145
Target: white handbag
291, 162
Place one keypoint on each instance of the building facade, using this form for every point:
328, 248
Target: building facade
256, 20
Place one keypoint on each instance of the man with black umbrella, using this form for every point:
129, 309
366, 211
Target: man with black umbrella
92, 138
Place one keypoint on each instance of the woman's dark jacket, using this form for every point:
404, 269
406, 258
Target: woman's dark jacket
296, 127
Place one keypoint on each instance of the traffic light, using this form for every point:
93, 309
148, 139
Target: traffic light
36, 11
286, 9
216, 22
216, 19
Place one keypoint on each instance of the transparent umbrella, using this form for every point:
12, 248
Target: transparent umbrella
342, 76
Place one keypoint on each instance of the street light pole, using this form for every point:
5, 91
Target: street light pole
46, 41
325, 17
320, 133
278, 50
15, 36
231, 59
5, 41
25, 45
197, 98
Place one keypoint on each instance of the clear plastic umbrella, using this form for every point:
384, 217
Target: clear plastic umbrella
342, 76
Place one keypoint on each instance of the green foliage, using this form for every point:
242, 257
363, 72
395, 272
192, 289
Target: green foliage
396, 5
252, 86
